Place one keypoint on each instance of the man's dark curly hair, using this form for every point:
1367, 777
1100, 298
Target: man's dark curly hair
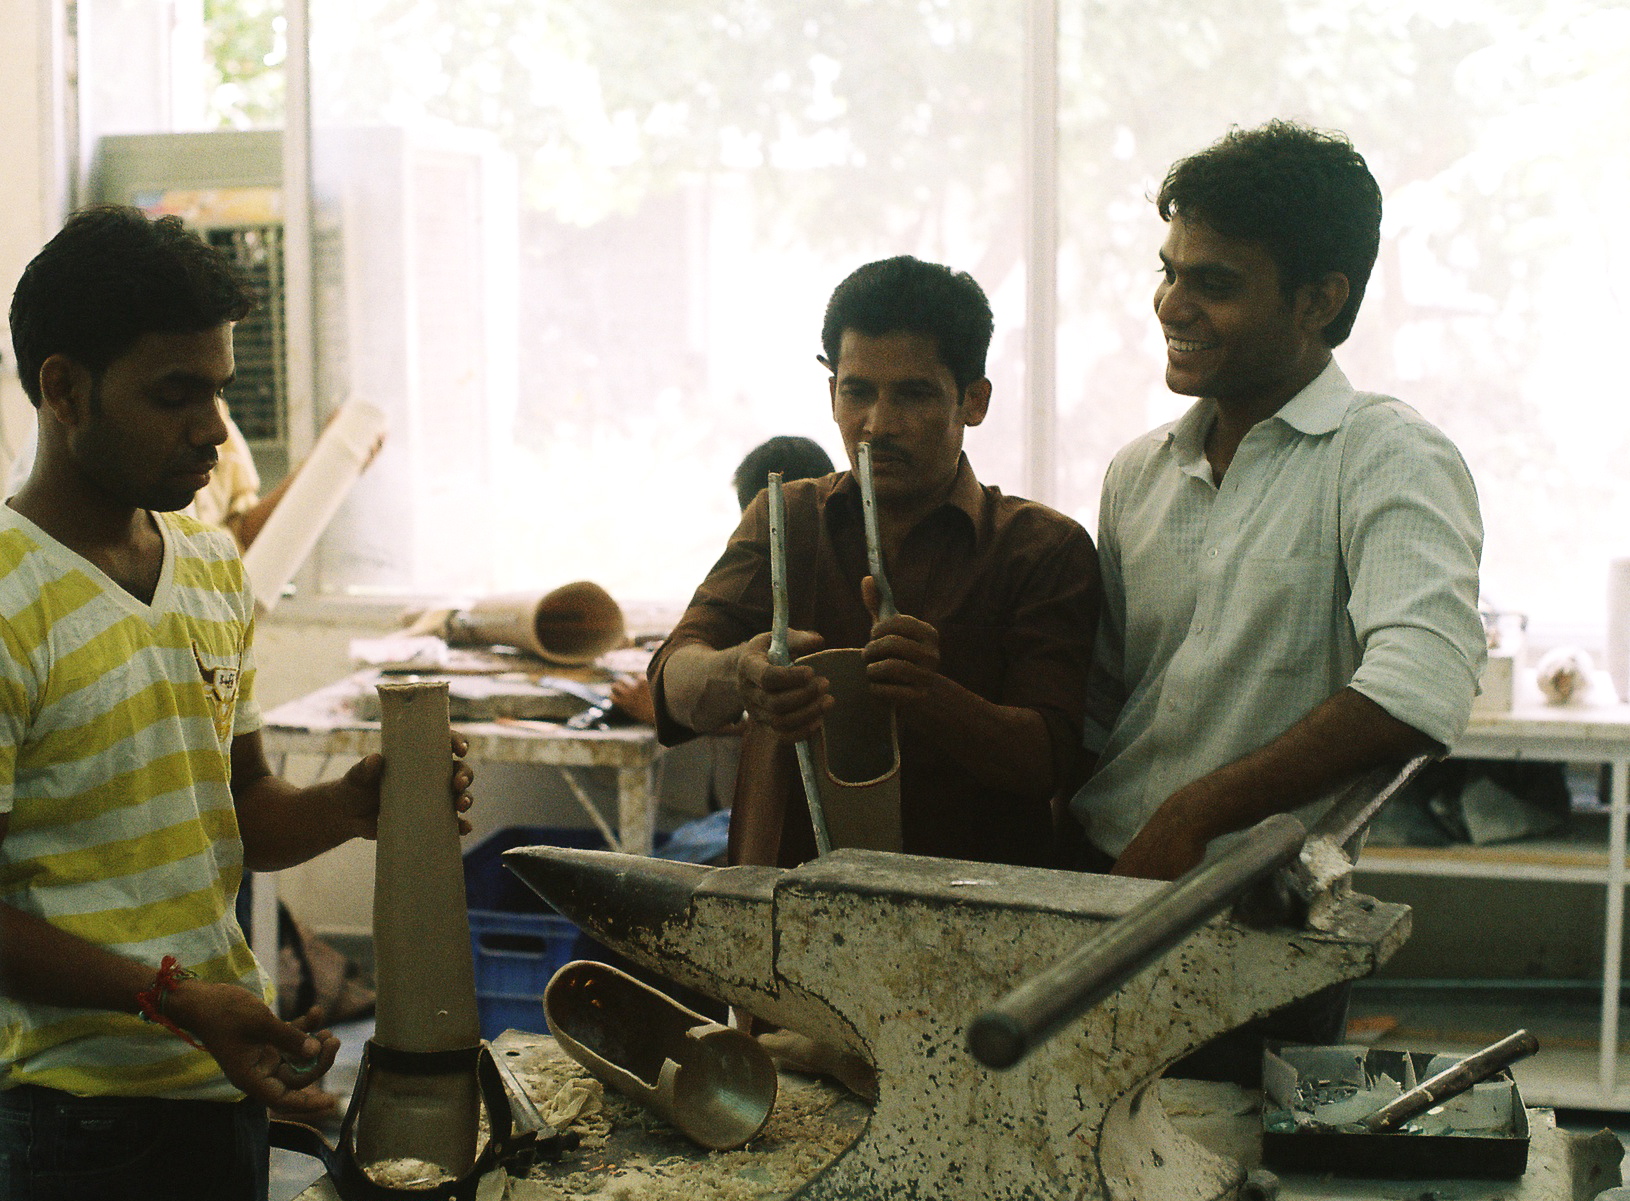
110, 276
1304, 194
794, 457
907, 295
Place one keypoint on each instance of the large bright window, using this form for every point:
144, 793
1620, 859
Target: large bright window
690, 180
1495, 130
637, 210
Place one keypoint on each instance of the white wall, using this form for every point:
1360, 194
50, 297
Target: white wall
27, 186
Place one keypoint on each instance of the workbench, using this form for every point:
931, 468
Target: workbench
1574, 733
628, 1155
324, 724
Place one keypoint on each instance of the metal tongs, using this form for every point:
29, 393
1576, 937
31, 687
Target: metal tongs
781, 656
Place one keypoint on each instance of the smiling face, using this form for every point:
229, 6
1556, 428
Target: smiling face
144, 434
1231, 332
895, 392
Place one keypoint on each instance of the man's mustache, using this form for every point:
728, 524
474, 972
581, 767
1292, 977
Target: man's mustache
889, 447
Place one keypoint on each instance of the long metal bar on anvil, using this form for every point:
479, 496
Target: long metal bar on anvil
781, 655
1034, 1011
874, 538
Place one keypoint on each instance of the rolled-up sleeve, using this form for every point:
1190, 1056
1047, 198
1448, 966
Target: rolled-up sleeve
1411, 540
730, 606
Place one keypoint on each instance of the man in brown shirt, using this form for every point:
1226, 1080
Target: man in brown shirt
998, 597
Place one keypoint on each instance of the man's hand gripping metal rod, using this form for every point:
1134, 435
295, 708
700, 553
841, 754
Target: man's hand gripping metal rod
782, 657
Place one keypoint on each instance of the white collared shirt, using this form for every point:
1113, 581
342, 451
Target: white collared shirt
1340, 551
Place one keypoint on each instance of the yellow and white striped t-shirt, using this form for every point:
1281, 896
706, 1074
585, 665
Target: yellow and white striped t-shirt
116, 726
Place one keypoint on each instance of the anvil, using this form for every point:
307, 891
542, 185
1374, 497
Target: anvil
891, 956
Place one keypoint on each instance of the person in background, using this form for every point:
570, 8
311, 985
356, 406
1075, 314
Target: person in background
796, 458
698, 776
137, 1048
1290, 568
986, 662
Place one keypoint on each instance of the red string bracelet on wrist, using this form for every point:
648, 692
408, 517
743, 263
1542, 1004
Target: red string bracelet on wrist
151, 1000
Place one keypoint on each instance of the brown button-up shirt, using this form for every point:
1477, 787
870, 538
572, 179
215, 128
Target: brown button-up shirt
1010, 585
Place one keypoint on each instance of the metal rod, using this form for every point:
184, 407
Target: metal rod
781, 656
1036, 1010
1451, 1082
874, 540
1359, 802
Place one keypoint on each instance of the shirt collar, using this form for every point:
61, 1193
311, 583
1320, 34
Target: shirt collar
1316, 409
967, 495
1319, 407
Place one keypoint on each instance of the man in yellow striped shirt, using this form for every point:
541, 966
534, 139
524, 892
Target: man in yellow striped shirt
134, 790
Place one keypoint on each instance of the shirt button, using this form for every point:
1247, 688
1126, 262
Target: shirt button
1200, 628
1212, 553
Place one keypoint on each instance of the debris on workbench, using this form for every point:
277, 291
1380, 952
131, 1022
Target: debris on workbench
1316, 1101
627, 1152
407, 1172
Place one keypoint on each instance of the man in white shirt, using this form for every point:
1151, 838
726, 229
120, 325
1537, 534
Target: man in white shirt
1290, 569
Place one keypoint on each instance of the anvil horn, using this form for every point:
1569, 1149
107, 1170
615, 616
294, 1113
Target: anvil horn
890, 956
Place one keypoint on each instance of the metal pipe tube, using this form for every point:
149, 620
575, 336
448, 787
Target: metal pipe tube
1353, 810
1451, 1082
781, 656
1034, 1011
874, 538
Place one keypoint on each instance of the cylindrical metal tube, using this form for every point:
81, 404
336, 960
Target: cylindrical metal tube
1451, 1082
1035, 1010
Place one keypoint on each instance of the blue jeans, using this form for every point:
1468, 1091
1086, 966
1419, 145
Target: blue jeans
58, 1147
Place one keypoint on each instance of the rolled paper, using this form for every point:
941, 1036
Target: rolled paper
319, 488
573, 624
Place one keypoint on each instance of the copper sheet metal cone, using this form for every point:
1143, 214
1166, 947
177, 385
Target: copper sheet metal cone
858, 754
419, 1106
572, 625
713, 1084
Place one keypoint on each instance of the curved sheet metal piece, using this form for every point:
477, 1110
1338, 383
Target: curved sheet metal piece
714, 1084
858, 756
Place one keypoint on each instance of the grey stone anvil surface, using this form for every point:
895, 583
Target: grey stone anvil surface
891, 956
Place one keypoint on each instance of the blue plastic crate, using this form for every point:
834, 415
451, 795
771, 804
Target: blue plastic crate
515, 955
517, 940
488, 884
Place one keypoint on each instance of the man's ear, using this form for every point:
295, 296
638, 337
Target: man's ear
65, 390
975, 402
1326, 298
